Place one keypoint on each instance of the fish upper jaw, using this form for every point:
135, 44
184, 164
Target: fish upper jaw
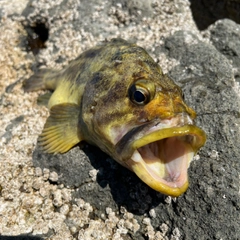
160, 153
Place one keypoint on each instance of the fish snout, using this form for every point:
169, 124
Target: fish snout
168, 106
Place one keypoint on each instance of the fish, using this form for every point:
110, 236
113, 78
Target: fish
115, 96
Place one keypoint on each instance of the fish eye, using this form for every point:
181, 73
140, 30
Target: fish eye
140, 96
140, 93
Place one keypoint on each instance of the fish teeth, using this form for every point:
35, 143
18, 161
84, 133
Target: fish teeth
136, 157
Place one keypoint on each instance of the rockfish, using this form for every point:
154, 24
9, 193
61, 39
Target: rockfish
116, 97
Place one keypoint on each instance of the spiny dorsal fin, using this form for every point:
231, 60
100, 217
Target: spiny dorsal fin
61, 131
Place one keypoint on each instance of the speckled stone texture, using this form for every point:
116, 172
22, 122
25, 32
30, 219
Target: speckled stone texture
84, 194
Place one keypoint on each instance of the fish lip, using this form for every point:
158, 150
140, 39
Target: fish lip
130, 141
124, 145
188, 136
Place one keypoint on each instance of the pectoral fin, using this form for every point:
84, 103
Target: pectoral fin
61, 131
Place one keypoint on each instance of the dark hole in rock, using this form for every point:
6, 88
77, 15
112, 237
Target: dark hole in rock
237, 77
38, 34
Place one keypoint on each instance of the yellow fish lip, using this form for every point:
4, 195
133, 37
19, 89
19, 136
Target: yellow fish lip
161, 156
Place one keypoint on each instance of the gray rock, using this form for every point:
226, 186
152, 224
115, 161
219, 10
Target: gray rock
8, 130
225, 35
136, 8
115, 186
211, 205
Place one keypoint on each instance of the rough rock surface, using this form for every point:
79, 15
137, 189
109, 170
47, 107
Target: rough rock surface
207, 78
84, 194
221, 32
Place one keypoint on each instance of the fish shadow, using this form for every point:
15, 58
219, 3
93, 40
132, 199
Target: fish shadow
99, 180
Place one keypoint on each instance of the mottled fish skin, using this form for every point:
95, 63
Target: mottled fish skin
116, 97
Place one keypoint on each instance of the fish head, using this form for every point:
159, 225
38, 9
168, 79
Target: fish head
142, 121
160, 150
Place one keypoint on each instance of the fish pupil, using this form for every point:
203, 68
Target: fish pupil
139, 97
139, 94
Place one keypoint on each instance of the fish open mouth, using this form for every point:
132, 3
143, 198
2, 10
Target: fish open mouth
161, 157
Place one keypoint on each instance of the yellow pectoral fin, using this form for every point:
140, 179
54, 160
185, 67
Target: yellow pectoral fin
61, 131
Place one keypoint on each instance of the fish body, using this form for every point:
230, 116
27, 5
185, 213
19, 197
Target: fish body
116, 97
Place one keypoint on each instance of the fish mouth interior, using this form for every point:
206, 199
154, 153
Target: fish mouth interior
161, 158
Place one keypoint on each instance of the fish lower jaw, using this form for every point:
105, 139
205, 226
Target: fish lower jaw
163, 165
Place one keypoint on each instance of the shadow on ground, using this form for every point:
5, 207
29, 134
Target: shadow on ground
115, 185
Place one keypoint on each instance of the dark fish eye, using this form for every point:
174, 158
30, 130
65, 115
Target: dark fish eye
139, 95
